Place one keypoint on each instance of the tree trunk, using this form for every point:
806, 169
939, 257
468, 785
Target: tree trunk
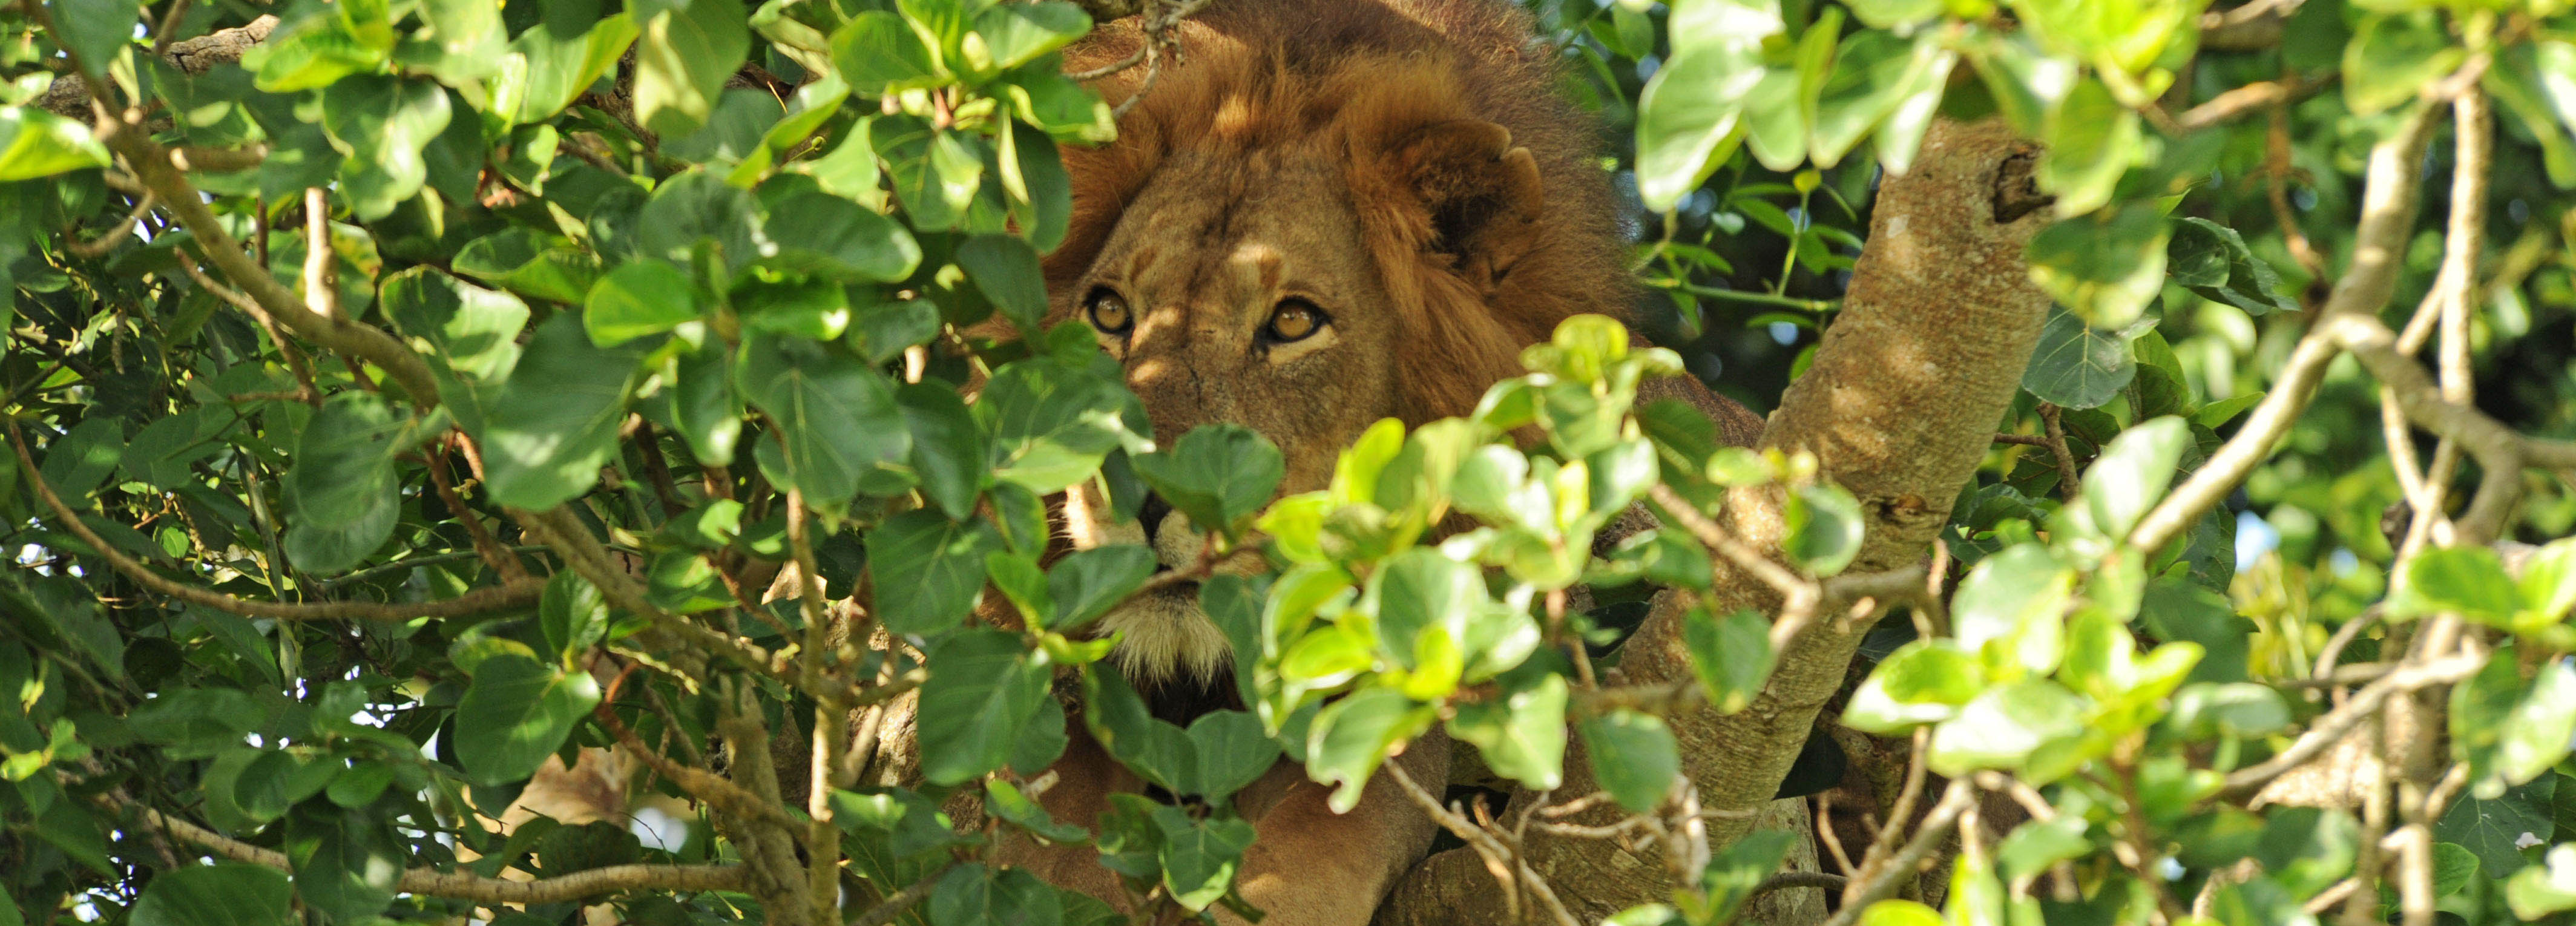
1899, 407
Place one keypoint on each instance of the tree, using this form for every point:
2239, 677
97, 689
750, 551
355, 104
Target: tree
401, 395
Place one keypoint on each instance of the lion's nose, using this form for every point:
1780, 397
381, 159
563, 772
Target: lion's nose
1150, 516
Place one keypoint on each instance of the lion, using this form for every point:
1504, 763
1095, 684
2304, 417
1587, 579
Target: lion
1319, 214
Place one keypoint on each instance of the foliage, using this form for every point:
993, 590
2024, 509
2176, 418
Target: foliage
436, 390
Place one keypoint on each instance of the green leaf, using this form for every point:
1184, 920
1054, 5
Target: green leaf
1824, 526
1199, 857
1233, 751
1350, 737
2091, 140
311, 53
520, 710
347, 865
470, 335
2104, 268
1873, 74
1522, 734
984, 688
80, 460
878, 54
2393, 57
382, 123
574, 614
530, 263
2496, 828
1156, 750
35, 143
1925, 681
699, 206
1085, 584
341, 492
637, 300
1633, 755
2258, 901
2308, 849
839, 239
2241, 710
681, 64
973, 895
2076, 365
2037, 845
2515, 731
2548, 584
570, 48
2213, 262
1418, 591
555, 422
2470, 581
2543, 889
1687, 113
2131, 474
2004, 725
929, 569
1005, 269
2011, 610
1051, 422
1893, 14
1731, 655
837, 416
96, 30
1900, 913
1736, 873
1218, 474
949, 449
935, 172
226, 894
1015, 34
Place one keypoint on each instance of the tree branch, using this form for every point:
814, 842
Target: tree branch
1879, 882
69, 95
2333, 725
459, 885
153, 165
1898, 407
2379, 244
478, 601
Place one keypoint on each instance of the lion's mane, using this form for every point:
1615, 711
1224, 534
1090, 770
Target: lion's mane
1354, 78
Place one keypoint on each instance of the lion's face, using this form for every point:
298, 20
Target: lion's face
1235, 289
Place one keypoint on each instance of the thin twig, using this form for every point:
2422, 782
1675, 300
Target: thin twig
2331, 727
479, 601
894, 904
2387, 215
2069, 485
116, 234
1880, 878
459, 885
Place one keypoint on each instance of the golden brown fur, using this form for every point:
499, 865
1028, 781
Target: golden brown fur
1404, 167
1326, 93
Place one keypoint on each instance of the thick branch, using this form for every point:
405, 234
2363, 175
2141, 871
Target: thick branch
152, 163
68, 95
2378, 253
1898, 408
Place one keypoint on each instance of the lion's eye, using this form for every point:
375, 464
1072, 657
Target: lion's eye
1109, 312
1294, 320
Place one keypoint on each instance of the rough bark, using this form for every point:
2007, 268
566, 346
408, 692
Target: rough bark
1898, 408
68, 95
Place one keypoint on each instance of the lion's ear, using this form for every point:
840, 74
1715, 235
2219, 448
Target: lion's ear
1481, 191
